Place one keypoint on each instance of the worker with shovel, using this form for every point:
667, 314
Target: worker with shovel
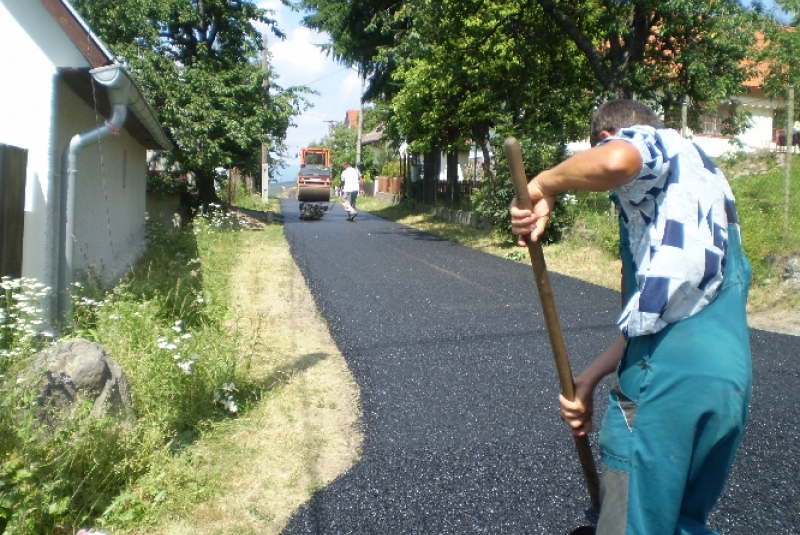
679, 401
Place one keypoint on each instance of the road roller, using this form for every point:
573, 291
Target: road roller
314, 182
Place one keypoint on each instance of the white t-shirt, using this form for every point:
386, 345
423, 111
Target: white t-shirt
350, 178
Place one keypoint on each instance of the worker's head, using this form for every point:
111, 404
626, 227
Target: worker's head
620, 113
345, 164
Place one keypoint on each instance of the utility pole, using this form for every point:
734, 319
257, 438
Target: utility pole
360, 135
264, 148
788, 164
685, 116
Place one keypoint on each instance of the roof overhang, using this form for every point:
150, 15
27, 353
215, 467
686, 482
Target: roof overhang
142, 123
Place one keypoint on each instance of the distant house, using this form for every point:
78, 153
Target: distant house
760, 136
351, 119
74, 132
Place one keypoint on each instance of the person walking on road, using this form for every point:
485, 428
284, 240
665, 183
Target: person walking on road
351, 184
680, 397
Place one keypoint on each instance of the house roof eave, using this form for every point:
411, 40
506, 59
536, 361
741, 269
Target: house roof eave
141, 124
76, 29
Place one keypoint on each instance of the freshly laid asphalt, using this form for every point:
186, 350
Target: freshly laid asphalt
459, 391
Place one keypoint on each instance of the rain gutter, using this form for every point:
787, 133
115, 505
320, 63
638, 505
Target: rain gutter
118, 84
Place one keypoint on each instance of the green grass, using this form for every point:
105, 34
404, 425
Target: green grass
761, 201
167, 326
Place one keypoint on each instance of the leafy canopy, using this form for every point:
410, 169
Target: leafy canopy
199, 64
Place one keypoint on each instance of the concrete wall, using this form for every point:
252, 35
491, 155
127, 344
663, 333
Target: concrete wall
111, 193
29, 40
40, 114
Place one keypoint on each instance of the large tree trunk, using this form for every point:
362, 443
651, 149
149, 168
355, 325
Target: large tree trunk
453, 192
431, 177
205, 189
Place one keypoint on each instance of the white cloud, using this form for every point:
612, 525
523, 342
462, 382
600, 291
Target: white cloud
298, 61
351, 85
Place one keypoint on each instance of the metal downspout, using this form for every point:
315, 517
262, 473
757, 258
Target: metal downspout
116, 80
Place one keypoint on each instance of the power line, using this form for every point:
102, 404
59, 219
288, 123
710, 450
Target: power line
327, 76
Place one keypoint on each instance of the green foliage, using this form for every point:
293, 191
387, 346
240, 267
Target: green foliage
760, 203
20, 326
391, 169
199, 65
781, 55
167, 326
358, 30
451, 71
493, 199
55, 481
163, 184
485, 64
596, 222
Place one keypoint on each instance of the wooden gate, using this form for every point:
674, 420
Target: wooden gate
13, 166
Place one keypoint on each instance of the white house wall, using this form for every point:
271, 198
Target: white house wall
111, 192
463, 159
760, 134
33, 47
40, 114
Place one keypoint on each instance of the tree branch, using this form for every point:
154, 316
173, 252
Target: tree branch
584, 44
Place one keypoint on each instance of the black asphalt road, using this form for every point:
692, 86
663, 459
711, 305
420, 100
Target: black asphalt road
459, 391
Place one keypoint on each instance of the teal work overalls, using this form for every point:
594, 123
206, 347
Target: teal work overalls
677, 412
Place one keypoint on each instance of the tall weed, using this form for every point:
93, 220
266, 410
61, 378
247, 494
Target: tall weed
167, 326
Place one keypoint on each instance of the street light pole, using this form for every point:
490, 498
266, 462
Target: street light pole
360, 118
788, 163
264, 148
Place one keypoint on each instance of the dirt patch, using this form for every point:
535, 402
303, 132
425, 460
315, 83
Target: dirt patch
779, 321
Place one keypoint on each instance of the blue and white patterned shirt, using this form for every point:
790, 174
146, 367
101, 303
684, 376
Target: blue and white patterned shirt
676, 212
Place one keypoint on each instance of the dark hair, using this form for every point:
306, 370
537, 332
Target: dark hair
615, 114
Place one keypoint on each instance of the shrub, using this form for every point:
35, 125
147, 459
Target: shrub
493, 199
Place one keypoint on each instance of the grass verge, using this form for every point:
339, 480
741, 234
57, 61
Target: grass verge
243, 407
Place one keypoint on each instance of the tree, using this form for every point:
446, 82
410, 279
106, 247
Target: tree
783, 44
198, 63
662, 50
359, 30
458, 70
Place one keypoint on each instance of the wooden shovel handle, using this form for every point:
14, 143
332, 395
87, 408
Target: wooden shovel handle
520, 181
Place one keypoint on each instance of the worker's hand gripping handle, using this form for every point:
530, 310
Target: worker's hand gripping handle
520, 181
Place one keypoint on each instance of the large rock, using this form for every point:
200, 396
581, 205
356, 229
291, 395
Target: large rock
71, 372
792, 273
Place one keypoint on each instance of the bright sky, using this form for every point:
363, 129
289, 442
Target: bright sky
298, 61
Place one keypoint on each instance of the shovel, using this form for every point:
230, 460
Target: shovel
520, 181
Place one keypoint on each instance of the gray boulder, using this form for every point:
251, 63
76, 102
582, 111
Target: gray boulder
792, 273
71, 372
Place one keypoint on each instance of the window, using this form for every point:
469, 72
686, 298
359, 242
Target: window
712, 125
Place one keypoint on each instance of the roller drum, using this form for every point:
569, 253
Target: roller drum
314, 193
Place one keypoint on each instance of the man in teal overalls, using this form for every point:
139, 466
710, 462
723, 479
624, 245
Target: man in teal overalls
679, 402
